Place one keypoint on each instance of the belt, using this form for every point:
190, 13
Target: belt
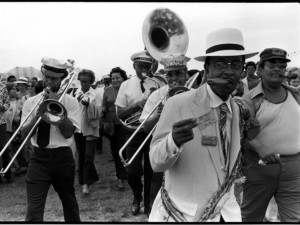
288, 157
58, 148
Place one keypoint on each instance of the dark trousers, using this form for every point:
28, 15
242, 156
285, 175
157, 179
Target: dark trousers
264, 182
156, 182
5, 157
116, 143
56, 167
86, 155
21, 159
135, 170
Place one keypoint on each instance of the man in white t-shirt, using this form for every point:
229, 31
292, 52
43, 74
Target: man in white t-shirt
272, 162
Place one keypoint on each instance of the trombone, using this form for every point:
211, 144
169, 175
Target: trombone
50, 105
174, 91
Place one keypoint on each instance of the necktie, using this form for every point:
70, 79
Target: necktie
43, 134
142, 86
223, 133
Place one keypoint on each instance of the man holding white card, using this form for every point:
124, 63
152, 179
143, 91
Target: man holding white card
197, 140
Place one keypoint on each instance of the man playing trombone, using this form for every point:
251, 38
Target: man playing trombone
130, 100
52, 161
175, 67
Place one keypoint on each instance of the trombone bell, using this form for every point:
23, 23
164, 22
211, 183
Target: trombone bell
52, 111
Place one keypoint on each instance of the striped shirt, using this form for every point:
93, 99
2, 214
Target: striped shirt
4, 102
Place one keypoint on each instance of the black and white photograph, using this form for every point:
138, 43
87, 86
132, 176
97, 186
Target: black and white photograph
144, 112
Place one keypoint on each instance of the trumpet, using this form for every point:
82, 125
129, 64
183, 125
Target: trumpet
52, 112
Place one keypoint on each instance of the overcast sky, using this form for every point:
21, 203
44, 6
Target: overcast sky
100, 36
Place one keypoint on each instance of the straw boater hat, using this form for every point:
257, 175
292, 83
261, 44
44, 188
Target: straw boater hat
22, 80
225, 42
174, 62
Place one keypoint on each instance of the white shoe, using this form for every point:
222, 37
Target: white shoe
85, 189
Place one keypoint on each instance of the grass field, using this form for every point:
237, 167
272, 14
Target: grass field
105, 203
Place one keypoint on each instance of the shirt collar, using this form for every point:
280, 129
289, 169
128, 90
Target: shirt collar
215, 100
91, 91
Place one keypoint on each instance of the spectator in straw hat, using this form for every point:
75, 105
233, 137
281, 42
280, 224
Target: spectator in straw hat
22, 84
199, 165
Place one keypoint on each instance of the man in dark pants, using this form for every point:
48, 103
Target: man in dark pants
272, 162
52, 161
131, 99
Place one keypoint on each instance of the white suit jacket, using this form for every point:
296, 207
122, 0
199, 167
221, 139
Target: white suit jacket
195, 174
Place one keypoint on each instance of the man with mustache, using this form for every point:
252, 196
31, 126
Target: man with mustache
197, 140
272, 162
52, 161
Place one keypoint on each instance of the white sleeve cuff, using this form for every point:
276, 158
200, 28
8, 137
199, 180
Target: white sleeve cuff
172, 148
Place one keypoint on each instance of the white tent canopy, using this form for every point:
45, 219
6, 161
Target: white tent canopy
24, 72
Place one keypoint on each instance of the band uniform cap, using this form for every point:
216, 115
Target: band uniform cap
225, 42
22, 80
142, 56
55, 67
174, 62
273, 53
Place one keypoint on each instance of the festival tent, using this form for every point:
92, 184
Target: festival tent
24, 72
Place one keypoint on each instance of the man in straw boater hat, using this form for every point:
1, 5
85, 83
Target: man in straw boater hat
52, 161
197, 140
130, 101
175, 68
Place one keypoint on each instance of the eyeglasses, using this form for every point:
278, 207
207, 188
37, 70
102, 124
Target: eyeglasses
272, 64
30, 86
223, 65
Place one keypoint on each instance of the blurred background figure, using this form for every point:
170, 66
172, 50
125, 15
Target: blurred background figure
86, 140
4, 106
11, 78
113, 128
294, 79
22, 84
13, 117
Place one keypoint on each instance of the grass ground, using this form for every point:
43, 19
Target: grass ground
105, 203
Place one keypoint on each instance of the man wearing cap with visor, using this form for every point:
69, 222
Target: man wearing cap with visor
199, 164
273, 157
52, 161
130, 101
175, 67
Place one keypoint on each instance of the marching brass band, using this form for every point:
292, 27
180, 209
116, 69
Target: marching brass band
187, 141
